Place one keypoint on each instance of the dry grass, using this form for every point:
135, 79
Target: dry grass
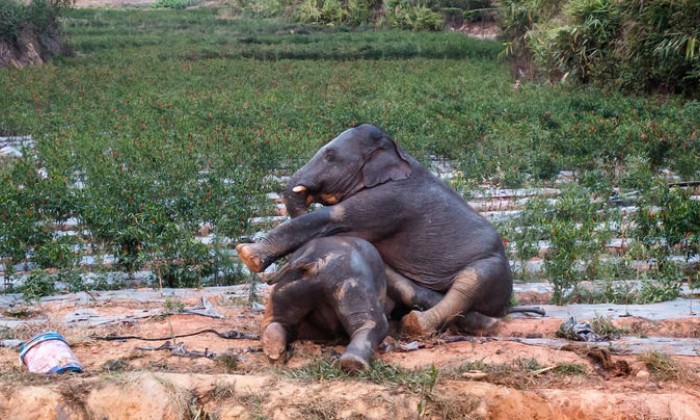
661, 366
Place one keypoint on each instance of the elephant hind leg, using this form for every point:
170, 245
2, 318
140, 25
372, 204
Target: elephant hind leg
481, 289
457, 299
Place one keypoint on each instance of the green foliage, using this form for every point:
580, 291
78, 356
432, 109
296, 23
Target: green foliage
583, 47
640, 45
335, 12
321, 11
575, 229
604, 327
171, 4
414, 15
261, 8
661, 365
37, 285
12, 15
183, 117
40, 14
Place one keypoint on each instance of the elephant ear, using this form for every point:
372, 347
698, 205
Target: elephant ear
387, 162
307, 266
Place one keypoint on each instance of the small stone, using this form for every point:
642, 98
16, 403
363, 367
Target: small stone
474, 375
257, 307
643, 375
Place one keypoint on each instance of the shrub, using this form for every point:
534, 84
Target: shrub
639, 45
261, 8
330, 12
12, 15
172, 4
414, 15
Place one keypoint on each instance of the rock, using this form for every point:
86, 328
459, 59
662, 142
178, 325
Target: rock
41, 402
643, 375
137, 397
474, 375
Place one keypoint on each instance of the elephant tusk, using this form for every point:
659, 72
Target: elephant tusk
299, 188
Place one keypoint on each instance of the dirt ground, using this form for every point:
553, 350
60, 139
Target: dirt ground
486, 377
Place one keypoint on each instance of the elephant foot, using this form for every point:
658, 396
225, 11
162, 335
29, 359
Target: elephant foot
250, 257
417, 324
352, 364
274, 342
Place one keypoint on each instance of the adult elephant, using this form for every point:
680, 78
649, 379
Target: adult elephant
443, 257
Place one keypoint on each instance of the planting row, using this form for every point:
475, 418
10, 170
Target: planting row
561, 233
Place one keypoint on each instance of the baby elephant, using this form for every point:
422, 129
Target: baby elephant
334, 285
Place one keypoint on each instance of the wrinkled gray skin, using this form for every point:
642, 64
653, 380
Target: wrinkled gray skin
443, 257
330, 286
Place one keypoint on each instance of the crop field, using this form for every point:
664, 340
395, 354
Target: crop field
158, 143
129, 170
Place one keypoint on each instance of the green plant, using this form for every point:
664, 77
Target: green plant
261, 8
172, 304
37, 285
172, 4
11, 17
412, 15
633, 44
660, 365
186, 119
571, 369
604, 327
230, 363
426, 392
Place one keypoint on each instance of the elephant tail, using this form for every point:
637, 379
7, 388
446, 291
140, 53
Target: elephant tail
527, 310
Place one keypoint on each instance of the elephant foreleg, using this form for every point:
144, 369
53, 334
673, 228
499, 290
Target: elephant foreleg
287, 306
364, 321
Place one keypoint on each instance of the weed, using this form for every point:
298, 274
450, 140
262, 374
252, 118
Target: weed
318, 409
76, 394
223, 391
229, 362
116, 365
37, 285
571, 369
173, 304
426, 392
661, 365
603, 326
171, 4
320, 370
451, 408
254, 403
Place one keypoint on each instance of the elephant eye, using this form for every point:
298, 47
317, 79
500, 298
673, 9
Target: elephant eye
329, 155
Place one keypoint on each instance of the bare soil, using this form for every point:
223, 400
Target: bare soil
485, 377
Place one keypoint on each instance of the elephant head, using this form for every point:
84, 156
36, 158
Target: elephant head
359, 158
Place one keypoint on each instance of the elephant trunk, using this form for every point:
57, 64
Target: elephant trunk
297, 197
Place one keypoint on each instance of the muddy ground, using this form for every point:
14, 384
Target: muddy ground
522, 372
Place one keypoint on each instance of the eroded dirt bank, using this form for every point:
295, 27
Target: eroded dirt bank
484, 377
